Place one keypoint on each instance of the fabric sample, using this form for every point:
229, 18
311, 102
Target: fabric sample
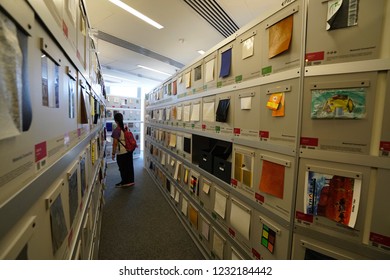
210, 70
280, 35
272, 179
226, 58
247, 47
222, 110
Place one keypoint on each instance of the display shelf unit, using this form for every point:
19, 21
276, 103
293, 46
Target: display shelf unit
52, 175
284, 155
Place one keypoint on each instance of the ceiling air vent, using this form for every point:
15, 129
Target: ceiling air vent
212, 12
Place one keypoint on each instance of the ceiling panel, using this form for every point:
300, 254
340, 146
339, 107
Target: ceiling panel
244, 11
125, 41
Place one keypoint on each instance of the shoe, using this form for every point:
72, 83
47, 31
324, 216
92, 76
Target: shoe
127, 185
118, 184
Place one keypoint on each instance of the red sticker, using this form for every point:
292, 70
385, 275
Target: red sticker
307, 141
315, 56
259, 197
264, 134
379, 238
255, 254
40, 151
304, 217
385, 146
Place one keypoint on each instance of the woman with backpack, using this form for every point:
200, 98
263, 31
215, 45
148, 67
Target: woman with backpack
124, 158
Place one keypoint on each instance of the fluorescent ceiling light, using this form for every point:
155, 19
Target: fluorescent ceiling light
120, 79
136, 13
154, 70
201, 52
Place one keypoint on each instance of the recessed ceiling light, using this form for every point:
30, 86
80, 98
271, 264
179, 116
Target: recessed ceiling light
201, 52
120, 79
136, 13
154, 70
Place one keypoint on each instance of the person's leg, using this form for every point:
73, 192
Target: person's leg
131, 167
127, 177
120, 183
122, 170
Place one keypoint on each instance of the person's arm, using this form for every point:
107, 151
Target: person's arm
114, 147
115, 142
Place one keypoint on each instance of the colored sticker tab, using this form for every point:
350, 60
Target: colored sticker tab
256, 254
264, 134
308, 141
315, 56
384, 146
380, 239
304, 217
259, 197
266, 70
40, 151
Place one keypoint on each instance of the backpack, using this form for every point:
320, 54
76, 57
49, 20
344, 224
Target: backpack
130, 143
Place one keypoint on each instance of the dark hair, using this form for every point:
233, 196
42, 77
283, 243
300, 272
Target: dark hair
118, 117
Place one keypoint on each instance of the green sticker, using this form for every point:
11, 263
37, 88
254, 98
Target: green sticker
266, 70
264, 242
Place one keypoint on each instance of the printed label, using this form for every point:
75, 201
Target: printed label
307, 141
315, 56
264, 134
304, 217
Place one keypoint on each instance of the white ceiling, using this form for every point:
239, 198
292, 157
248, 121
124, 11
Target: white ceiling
124, 41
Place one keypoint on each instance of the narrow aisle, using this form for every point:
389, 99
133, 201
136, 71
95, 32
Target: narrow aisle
139, 224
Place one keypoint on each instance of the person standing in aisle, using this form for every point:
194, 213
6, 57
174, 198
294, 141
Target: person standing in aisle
124, 158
